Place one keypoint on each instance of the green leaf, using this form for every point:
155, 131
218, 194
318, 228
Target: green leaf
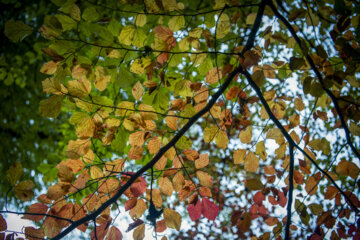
16, 30
184, 143
14, 173
176, 23
120, 141
124, 78
139, 38
67, 23
50, 107
90, 14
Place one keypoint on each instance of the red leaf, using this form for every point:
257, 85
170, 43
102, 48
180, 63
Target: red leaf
3, 225
259, 198
100, 232
138, 187
209, 209
194, 210
38, 208
129, 204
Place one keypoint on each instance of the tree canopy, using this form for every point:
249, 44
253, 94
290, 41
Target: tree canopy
216, 119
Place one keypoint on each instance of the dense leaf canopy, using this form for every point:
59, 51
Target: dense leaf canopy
204, 119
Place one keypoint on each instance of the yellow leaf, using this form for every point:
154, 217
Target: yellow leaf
223, 26
51, 107
137, 91
261, 150
195, 33
202, 161
274, 133
294, 120
268, 71
250, 19
126, 35
96, 173
23, 190
209, 133
79, 89
204, 179
78, 148
14, 173
139, 209
139, 232
354, 129
299, 105
65, 173
124, 108
138, 65
171, 121
251, 162
114, 167
245, 135
49, 67
176, 23
172, 219
184, 44
221, 139
85, 128
79, 73
147, 112
346, 168
156, 197
216, 111
51, 85
239, 156
178, 181
165, 186
140, 20
102, 78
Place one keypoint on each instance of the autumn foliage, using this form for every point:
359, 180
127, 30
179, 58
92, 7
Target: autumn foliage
239, 117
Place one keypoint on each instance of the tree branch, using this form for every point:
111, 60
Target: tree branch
288, 137
182, 131
319, 76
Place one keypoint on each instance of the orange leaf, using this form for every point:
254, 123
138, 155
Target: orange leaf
161, 226
171, 120
204, 178
331, 192
311, 185
271, 221
138, 210
161, 163
154, 145
191, 154
137, 138
32, 233
202, 161
165, 186
114, 234
214, 75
